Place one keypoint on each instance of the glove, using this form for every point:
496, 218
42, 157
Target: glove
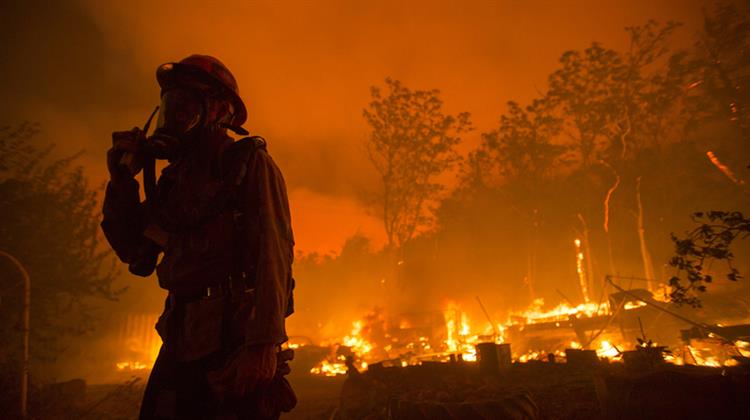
125, 144
247, 369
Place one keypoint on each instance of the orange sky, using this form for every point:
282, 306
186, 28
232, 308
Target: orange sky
85, 68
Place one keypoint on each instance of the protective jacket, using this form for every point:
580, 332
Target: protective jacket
223, 225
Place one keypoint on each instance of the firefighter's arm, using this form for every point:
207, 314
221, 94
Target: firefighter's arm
123, 214
123, 219
269, 262
273, 269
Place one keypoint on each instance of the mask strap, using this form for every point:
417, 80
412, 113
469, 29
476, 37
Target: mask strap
235, 129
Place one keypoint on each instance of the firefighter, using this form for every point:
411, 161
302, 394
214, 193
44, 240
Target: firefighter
219, 218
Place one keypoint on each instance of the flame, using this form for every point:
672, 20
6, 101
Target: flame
633, 305
531, 355
607, 350
356, 342
327, 368
359, 346
461, 337
581, 271
702, 358
534, 313
715, 353
743, 347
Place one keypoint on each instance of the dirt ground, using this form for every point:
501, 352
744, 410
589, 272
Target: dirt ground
317, 397
529, 390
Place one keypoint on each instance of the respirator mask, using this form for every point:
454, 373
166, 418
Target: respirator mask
182, 113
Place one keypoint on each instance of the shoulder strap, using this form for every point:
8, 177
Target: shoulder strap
235, 160
245, 148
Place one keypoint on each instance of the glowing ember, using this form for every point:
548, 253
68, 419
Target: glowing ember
327, 368
335, 367
633, 305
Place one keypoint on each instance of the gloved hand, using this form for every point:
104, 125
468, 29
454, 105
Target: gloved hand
125, 142
249, 368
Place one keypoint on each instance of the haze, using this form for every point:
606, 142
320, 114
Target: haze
83, 69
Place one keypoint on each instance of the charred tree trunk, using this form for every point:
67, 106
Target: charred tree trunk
607, 199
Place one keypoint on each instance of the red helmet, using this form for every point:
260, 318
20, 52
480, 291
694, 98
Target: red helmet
204, 69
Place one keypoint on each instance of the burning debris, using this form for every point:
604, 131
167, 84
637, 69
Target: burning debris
607, 331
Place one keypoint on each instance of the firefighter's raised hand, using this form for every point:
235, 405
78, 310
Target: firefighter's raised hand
124, 159
251, 367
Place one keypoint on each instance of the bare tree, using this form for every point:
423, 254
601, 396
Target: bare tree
411, 143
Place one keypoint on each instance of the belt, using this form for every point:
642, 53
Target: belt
231, 286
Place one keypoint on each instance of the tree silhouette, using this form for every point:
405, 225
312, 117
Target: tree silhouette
718, 94
711, 241
51, 223
522, 148
411, 143
721, 84
517, 160
604, 152
585, 89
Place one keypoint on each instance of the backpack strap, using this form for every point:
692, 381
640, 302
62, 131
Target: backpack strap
243, 150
